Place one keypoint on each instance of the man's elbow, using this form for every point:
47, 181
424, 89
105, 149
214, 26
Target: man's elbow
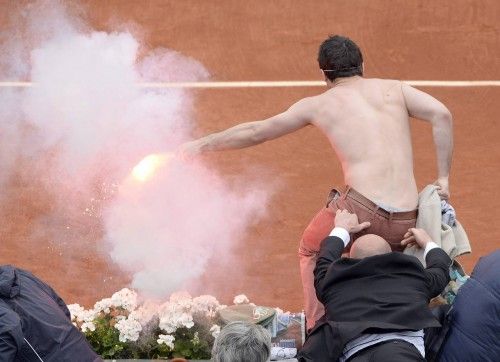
257, 133
443, 118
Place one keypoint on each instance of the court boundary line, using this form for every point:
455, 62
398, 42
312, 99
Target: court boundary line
281, 84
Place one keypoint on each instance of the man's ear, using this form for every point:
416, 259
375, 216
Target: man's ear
326, 79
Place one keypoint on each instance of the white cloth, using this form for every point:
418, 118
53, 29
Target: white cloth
448, 214
430, 245
452, 239
341, 233
366, 340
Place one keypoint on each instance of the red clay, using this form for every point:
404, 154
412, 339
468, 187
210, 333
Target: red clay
278, 40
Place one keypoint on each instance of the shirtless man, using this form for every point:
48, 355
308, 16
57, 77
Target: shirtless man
367, 123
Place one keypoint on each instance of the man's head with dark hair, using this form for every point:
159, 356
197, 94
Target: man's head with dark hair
339, 56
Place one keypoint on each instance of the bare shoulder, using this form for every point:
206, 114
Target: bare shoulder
385, 83
305, 106
307, 102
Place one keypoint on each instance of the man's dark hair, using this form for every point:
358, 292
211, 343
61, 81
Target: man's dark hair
339, 56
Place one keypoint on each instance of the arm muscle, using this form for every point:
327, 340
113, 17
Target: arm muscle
253, 133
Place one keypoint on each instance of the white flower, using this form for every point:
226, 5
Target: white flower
87, 316
241, 299
176, 313
215, 330
125, 298
182, 299
173, 316
207, 305
145, 312
129, 329
166, 339
104, 305
75, 310
80, 315
88, 326
186, 320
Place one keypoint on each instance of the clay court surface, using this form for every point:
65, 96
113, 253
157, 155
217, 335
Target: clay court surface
273, 41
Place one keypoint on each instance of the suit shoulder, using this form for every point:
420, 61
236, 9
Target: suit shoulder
398, 257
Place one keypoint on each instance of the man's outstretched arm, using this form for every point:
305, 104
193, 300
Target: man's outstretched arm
423, 106
252, 133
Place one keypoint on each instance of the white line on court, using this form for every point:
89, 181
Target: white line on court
278, 84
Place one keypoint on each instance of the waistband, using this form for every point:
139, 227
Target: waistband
352, 194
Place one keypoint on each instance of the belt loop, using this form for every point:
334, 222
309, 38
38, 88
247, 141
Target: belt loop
375, 212
347, 189
390, 216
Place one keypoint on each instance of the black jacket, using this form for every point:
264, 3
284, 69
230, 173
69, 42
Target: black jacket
35, 320
386, 292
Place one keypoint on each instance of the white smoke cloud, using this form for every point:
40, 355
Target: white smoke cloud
166, 229
86, 124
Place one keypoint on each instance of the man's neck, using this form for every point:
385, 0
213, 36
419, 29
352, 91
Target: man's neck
343, 81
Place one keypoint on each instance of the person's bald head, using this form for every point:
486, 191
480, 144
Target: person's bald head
369, 245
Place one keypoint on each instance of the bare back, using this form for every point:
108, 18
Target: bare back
367, 123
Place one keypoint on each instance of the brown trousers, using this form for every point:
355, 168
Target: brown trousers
389, 225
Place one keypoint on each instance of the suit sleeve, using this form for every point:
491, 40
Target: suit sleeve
330, 250
11, 335
437, 272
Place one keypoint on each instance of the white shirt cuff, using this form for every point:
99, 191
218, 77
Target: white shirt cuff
430, 245
341, 233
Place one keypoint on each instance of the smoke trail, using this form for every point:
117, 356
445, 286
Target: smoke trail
76, 136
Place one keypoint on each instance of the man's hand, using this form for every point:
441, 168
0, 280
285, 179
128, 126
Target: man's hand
344, 219
189, 150
443, 188
416, 236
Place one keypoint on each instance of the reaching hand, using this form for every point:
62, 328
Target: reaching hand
443, 188
348, 221
416, 236
188, 150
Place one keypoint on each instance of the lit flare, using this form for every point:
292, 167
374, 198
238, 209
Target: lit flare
148, 166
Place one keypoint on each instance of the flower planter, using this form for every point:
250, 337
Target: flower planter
183, 325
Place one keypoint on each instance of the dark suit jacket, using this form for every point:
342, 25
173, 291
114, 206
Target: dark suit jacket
377, 294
